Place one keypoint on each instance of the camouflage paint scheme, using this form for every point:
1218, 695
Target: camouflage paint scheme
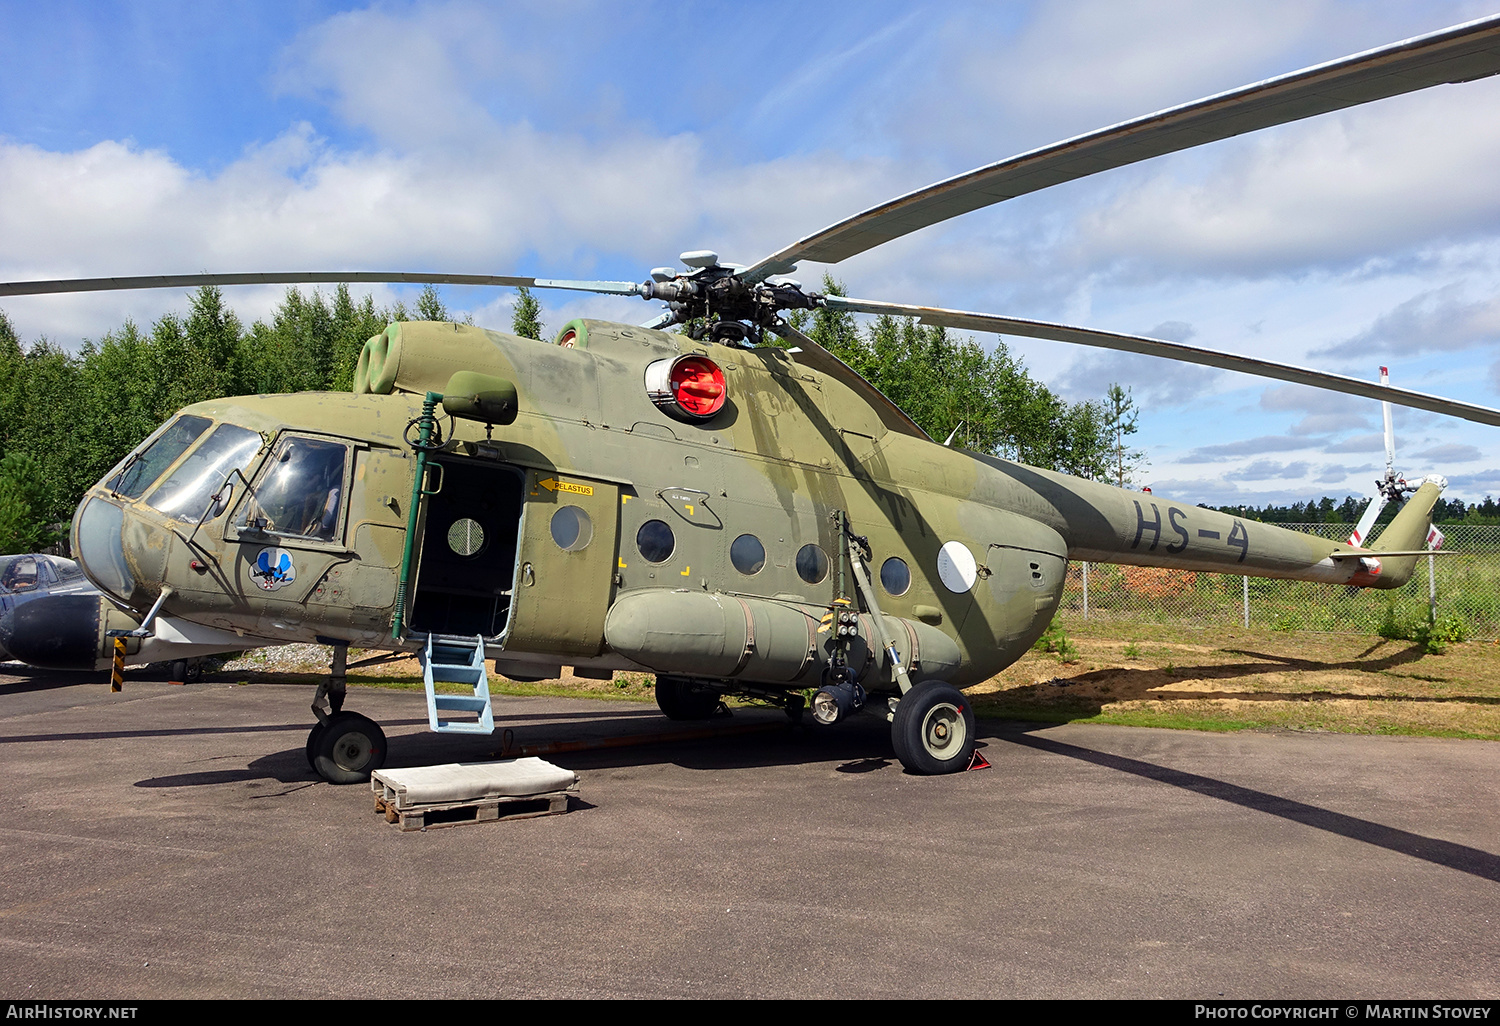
797, 440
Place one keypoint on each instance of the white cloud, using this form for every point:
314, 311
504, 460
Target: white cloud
1262, 470
1333, 192
1444, 318
1358, 443
1250, 446
1450, 453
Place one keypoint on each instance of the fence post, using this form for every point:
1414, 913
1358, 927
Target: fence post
1432, 590
1085, 589
1246, 582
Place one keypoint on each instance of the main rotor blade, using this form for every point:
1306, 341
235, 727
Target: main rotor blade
1458, 54
1169, 351
167, 281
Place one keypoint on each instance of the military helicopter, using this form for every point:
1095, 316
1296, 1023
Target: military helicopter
734, 517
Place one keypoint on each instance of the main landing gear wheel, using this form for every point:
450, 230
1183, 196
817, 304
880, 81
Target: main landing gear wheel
346, 749
934, 729
679, 700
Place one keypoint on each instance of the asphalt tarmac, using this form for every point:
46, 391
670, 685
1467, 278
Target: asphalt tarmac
172, 842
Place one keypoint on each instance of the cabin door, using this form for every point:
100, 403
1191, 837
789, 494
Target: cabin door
566, 566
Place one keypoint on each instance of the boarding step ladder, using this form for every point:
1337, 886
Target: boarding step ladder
448, 659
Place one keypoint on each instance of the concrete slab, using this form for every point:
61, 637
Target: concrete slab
171, 842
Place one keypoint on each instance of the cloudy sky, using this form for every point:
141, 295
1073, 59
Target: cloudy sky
577, 139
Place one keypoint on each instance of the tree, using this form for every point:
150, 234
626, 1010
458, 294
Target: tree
836, 330
430, 305
353, 325
526, 318
1120, 416
23, 505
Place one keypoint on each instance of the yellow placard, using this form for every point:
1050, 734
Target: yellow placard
554, 485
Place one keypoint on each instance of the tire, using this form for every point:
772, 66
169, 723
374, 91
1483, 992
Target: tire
348, 749
934, 731
678, 699
312, 743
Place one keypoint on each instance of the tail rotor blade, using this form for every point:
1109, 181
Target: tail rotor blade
1367, 520
1390, 434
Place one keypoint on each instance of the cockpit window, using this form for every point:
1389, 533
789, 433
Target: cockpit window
19, 574
145, 465
184, 494
301, 491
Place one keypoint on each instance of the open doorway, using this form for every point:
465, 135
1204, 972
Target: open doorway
468, 560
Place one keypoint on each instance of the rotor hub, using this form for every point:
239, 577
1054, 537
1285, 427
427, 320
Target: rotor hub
717, 295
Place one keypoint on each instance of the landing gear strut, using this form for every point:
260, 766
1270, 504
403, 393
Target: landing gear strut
343, 747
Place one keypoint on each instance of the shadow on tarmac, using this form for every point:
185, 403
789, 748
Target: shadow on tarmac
1461, 857
861, 746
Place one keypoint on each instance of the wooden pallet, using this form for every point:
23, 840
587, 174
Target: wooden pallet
476, 810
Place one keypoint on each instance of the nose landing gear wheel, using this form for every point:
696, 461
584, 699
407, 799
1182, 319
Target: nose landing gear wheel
934, 730
312, 743
347, 749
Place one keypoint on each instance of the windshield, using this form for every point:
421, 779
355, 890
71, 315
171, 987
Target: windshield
145, 465
301, 492
19, 574
184, 494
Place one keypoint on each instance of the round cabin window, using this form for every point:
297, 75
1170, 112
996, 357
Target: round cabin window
747, 554
655, 541
895, 576
466, 537
571, 528
812, 564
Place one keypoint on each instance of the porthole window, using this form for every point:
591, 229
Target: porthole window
655, 541
571, 528
812, 564
895, 576
466, 537
747, 554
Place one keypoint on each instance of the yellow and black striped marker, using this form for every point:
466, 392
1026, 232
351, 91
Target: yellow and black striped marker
117, 675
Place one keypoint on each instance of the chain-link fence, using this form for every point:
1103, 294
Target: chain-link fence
1464, 586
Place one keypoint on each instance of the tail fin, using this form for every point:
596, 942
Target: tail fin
1407, 532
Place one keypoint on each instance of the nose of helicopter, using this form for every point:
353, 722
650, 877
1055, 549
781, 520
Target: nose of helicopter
98, 545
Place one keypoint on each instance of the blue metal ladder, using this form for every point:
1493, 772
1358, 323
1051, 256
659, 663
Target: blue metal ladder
457, 661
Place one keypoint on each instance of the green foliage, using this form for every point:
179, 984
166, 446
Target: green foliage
1055, 641
1390, 626
984, 398
353, 325
526, 318
23, 502
1327, 511
1434, 637
430, 306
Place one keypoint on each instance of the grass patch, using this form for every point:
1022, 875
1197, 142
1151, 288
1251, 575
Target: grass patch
1224, 679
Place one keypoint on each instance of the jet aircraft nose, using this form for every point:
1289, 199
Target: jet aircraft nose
58, 632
